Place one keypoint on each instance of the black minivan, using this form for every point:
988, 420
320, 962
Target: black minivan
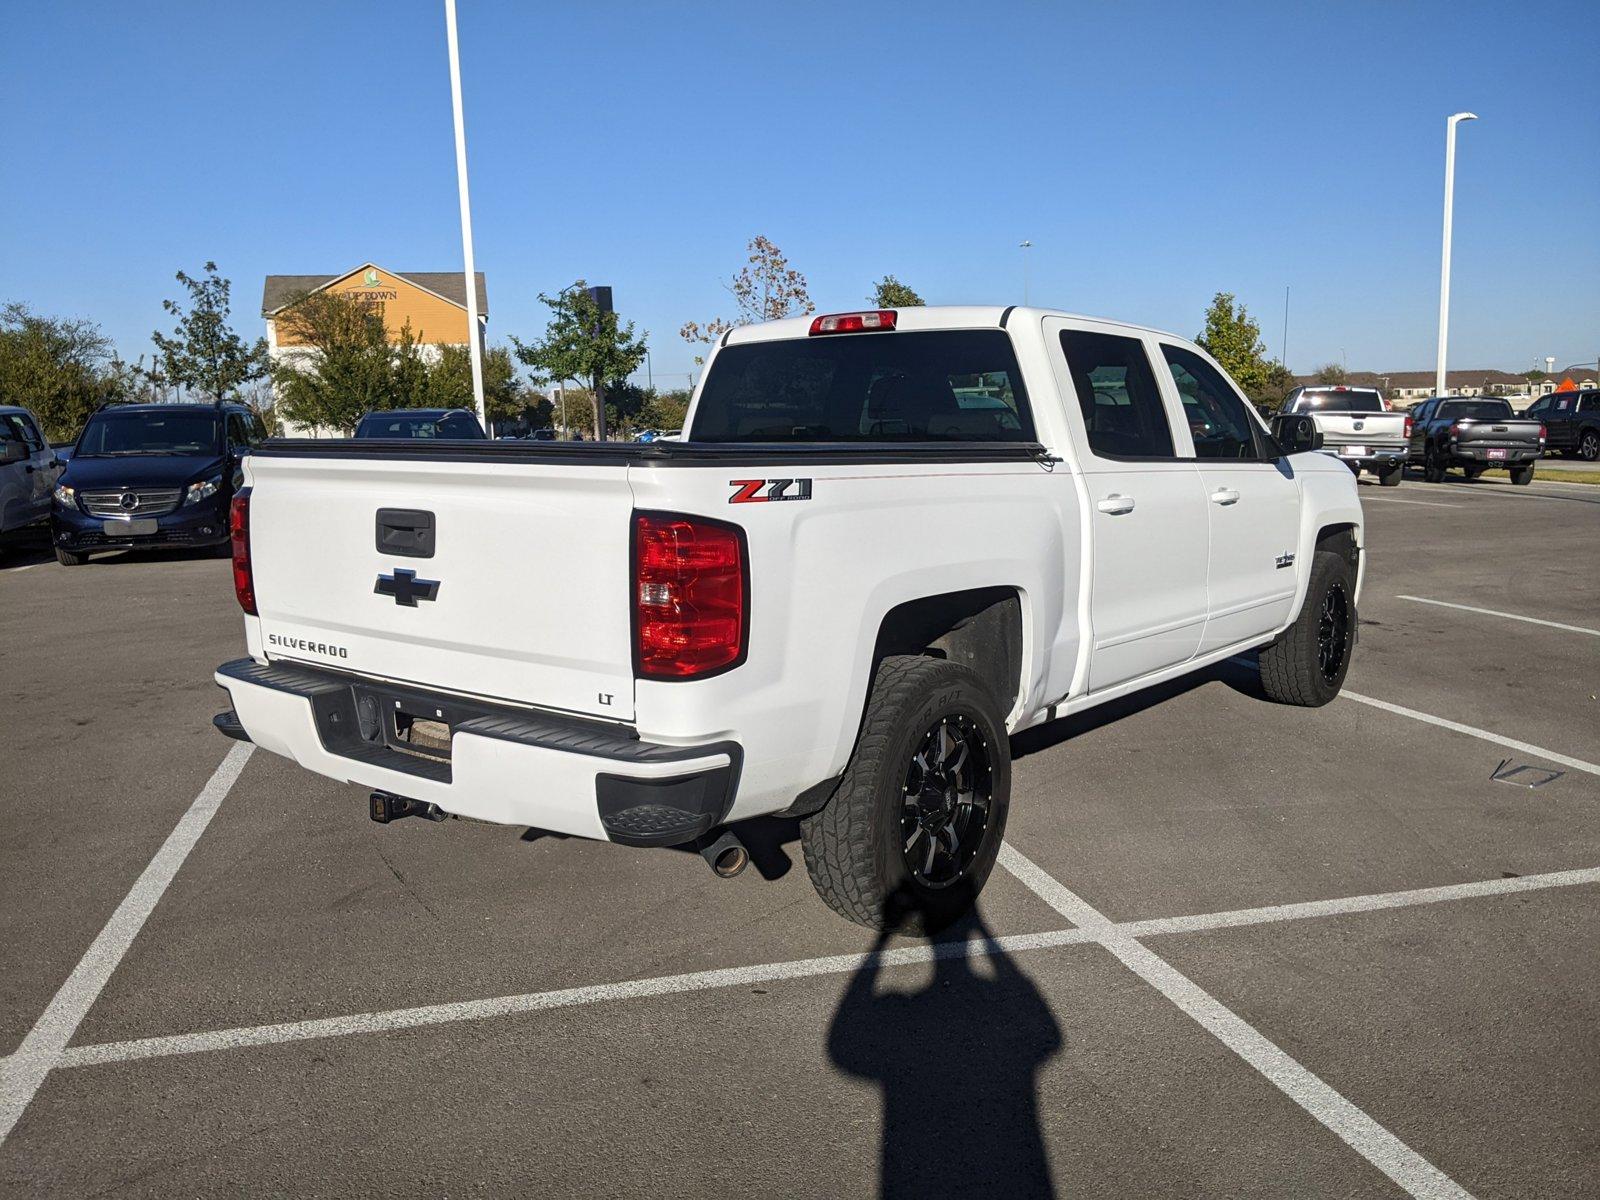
151, 475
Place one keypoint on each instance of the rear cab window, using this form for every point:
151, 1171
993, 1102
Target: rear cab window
1476, 410
1123, 416
955, 385
1338, 400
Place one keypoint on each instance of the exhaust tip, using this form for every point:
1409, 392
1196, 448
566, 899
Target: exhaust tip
726, 856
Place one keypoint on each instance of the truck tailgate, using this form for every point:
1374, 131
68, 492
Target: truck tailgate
1362, 428
531, 562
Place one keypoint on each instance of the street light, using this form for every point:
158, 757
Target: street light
1025, 246
1444, 270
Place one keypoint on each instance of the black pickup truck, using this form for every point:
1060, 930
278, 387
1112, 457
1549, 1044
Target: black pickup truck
1475, 434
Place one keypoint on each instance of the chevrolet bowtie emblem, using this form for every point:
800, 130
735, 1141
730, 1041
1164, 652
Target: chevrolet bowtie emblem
406, 588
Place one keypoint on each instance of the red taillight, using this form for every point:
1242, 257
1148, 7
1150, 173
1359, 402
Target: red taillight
244, 584
1408, 428
690, 595
856, 322
1541, 434
1455, 432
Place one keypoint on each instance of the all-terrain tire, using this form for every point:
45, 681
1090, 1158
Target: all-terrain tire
68, 559
1434, 466
853, 845
1522, 476
1294, 669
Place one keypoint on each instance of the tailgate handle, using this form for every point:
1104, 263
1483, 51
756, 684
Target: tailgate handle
405, 532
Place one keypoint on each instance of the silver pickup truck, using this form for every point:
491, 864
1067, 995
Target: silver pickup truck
1357, 427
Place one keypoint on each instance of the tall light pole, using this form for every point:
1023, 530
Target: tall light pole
474, 342
1444, 270
1025, 247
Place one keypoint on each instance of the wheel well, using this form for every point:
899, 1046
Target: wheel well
980, 629
1341, 539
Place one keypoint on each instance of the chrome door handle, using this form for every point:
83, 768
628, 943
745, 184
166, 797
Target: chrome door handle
1116, 504
1224, 496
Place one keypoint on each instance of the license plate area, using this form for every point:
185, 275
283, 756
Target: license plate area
1497, 453
407, 722
1353, 451
130, 527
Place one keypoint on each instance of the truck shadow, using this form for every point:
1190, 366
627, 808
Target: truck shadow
957, 1063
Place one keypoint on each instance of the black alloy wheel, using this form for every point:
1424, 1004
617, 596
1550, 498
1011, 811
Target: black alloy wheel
1589, 445
948, 791
1333, 632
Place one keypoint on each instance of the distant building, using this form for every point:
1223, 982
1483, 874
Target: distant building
433, 303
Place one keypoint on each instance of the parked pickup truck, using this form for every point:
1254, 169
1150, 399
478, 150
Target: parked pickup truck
1358, 427
1473, 433
890, 540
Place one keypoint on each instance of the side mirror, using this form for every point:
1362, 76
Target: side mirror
12, 452
1296, 433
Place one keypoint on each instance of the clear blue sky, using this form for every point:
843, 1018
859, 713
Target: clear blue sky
1153, 153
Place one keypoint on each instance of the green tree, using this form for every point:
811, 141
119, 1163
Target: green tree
342, 365
766, 288
204, 354
504, 397
582, 342
1233, 338
1332, 374
665, 410
60, 367
889, 292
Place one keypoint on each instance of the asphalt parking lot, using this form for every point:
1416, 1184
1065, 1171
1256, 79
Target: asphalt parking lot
1236, 949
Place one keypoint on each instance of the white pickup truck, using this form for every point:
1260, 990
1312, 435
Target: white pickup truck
889, 540
1357, 427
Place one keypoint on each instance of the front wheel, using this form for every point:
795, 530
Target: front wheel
1306, 666
1522, 476
908, 840
1589, 445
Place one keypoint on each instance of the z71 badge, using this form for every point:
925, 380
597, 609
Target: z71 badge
759, 491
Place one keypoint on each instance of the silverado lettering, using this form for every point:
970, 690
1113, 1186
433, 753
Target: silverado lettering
289, 643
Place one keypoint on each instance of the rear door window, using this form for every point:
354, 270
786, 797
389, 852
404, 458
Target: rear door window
1117, 394
1218, 419
958, 385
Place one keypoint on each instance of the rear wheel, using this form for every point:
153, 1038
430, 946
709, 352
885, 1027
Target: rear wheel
68, 559
1307, 664
1390, 476
1433, 465
1473, 470
1589, 445
1522, 476
908, 840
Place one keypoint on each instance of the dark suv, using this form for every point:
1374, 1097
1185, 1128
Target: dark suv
422, 423
148, 475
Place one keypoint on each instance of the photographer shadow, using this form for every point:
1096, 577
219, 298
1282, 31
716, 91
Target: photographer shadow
958, 1064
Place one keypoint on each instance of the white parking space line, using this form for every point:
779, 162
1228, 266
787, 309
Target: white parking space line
1490, 612
1355, 1128
1577, 764
1091, 927
1345, 905
22, 1072
504, 1006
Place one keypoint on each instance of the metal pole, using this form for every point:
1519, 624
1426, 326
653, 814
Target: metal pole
1025, 248
1444, 269
474, 341
1284, 356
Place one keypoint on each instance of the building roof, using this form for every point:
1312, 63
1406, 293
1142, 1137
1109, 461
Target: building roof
280, 290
